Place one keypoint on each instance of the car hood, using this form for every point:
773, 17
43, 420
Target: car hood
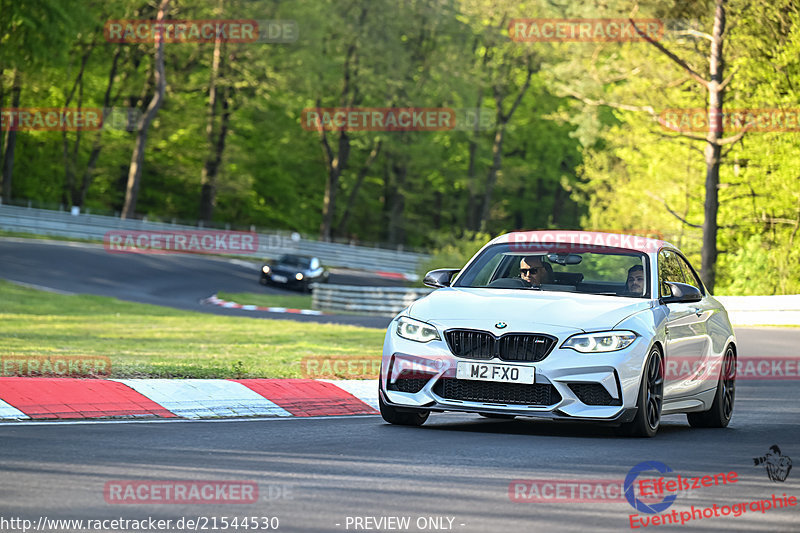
524, 310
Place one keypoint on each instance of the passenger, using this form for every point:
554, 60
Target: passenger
535, 271
635, 283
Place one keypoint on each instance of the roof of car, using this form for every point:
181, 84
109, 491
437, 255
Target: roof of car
579, 240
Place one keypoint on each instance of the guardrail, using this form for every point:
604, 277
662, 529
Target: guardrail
388, 301
779, 310
381, 301
270, 244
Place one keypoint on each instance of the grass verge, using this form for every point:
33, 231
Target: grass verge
34, 236
152, 341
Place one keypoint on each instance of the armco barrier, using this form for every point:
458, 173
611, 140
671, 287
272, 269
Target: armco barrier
388, 301
779, 310
381, 301
271, 244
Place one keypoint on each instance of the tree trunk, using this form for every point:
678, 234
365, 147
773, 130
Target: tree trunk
88, 174
491, 178
497, 145
210, 194
558, 204
438, 204
10, 142
714, 140
2, 136
396, 227
137, 159
351, 200
472, 185
69, 192
713, 148
208, 177
335, 164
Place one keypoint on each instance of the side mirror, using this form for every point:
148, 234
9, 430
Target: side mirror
440, 277
682, 293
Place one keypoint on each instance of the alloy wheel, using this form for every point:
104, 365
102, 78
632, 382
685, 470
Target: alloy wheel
654, 397
728, 383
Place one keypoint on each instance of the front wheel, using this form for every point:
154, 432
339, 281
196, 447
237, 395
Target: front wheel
722, 409
650, 401
402, 417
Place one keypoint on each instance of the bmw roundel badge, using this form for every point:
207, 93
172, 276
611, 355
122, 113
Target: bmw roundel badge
500, 325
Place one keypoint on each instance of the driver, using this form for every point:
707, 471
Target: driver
534, 271
635, 283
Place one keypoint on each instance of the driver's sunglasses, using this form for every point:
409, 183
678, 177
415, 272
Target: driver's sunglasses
526, 271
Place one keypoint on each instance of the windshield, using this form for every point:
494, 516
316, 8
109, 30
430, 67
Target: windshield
295, 261
610, 272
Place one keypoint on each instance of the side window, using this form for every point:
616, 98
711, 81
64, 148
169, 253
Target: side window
668, 270
487, 273
688, 273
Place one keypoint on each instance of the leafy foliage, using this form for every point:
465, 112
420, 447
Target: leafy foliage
581, 149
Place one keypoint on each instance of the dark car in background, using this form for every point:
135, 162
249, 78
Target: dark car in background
295, 272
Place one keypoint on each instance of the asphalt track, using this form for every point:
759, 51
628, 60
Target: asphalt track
173, 280
316, 474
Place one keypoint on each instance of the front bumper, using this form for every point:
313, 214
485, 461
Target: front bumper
291, 280
568, 385
623, 415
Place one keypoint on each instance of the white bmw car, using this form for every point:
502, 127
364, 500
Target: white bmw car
564, 325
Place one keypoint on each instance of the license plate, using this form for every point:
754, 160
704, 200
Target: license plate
280, 279
494, 372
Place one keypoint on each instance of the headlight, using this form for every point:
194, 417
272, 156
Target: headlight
416, 330
298, 276
603, 341
265, 269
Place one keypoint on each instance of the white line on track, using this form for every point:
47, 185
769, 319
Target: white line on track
40, 287
173, 420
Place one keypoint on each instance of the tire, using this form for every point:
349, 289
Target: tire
650, 400
263, 280
722, 409
498, 416
402, 417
